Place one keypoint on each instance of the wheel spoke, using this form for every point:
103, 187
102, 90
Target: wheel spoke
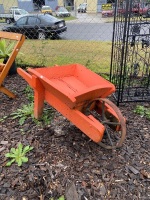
103, 110
109, 137
111, 123
110, 116
114, 139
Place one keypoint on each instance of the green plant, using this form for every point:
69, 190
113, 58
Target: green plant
29, 92
141, 110
147, 113
23, 113
3, 118
60, 198
18, 155
28, 111
5, 49
47, 116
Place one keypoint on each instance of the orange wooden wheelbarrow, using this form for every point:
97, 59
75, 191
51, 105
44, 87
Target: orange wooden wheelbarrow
80, 95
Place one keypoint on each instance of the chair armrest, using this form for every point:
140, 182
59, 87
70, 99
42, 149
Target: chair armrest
2, 66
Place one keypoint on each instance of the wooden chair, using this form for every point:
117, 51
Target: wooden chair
4, 68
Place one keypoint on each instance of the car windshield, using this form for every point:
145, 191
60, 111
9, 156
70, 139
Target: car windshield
83, 6
23, 12
21, 21
46, 8
12, 8
48, 18
62, 9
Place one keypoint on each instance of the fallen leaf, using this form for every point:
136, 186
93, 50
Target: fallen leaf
4, 142
145, 173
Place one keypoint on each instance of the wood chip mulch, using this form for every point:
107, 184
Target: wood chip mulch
66, 162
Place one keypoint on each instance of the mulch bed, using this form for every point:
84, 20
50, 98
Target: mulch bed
64, 161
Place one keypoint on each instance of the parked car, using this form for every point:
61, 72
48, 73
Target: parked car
39, 26
108, 13
46, 10
137, 9
62, 12
82, 8
147, 15
13, 15
13, 8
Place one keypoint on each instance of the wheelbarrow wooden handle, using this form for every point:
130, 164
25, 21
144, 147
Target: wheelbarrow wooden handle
26, 76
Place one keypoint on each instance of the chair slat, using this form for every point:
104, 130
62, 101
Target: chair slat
4, 68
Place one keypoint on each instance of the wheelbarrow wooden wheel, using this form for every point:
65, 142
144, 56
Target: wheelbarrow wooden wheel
110, 116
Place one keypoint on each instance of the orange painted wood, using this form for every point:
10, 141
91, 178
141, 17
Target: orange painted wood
68, 89
87, 124
26, 76
73, 83
39, 97
4, 68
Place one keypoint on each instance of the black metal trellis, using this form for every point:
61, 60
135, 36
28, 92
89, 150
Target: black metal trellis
130, 60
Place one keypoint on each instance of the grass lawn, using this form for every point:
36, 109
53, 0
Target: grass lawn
67, 18
2, 20
95, 55
111, 19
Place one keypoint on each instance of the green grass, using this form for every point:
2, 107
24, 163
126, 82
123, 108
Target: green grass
67, 18
92, 54
2, 20
142, 111
133, 19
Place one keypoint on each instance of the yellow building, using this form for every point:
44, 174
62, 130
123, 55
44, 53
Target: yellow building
73, 3
8, 3
93, 6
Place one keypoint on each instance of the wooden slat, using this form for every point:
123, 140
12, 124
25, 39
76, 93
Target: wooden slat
4, 68
9, 35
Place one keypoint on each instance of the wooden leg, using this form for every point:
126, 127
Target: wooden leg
38, 97
38, 104
7, 92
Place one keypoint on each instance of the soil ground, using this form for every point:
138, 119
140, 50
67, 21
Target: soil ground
65, 160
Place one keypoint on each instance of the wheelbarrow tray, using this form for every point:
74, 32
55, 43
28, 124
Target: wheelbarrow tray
73, 84
69, 89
